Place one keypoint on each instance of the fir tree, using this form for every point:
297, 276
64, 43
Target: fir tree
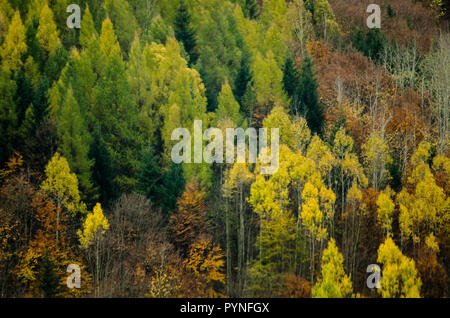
49, 280
251, 9
185, 33
149, 179
307, 99
290, 77
243, 78
102, 171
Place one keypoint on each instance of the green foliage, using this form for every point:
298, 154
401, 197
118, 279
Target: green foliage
370, 43
49, 282
306, 98
8, 114
185, 33
333, 283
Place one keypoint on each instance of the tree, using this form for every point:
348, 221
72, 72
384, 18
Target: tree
49, 280
324, 19
290, 78
386, 208
47, 33
400, 277
307, 97
377, 158
333, 283
185, 33
8, 114
87, 32
206, 260
228, 107
189, 222
14, 45
251, 9
237, 184
243, 78
94, 227
75, 143
102, 170
61, 186
149, 178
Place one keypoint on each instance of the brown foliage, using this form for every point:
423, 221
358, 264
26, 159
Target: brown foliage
296, 287
189, 222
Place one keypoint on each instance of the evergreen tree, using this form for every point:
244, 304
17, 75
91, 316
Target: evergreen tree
49, 280
185, 33
307, 100
174, 184
40, 102
8, 115
251, 9
290, 77
243, 78
149, 179
102, 170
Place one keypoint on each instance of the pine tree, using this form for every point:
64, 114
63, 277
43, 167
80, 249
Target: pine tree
149, 178
290, 77
49, 280
185, 33
243, 78
8, 114
102, 170
307, 101
174, 184
251, 9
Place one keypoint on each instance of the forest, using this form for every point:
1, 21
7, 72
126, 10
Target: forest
86, 176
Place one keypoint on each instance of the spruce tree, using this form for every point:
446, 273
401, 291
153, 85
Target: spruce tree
290, 77
308, 103
49, 281
149, 179
8, 115
243, 78
102, 170
251, 9
184, 32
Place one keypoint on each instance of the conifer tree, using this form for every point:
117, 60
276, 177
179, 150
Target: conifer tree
75, 143
8, 115
49, 280
47, 33
290, 78
14, 45
307, 99
87, 31
102, 170
185, 33
243, 78
251, 9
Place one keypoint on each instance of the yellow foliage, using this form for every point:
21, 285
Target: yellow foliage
95, 225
